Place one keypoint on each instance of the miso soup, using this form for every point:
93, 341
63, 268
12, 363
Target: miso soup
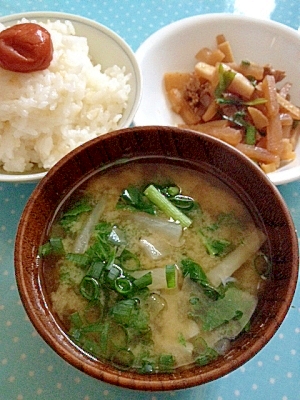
152, 267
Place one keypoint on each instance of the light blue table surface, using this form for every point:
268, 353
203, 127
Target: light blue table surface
29, 368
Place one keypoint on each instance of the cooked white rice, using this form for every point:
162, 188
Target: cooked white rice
46, 114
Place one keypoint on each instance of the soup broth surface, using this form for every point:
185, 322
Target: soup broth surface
143, 290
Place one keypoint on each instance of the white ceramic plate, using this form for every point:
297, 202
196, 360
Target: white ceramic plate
106, 48
173, 47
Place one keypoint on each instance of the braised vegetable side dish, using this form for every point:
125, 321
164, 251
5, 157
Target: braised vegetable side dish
239, 103
154, 267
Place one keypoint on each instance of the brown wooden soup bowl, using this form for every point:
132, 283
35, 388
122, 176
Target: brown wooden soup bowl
201, 153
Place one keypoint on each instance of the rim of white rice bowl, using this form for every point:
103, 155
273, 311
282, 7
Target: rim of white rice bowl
31, 142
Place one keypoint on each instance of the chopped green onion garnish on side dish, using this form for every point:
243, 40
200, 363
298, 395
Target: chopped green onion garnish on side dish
225, 79
255, 102
250, 134
166, 206
245, 63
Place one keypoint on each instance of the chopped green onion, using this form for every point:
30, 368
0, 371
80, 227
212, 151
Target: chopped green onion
202, 352
171, 276
103, 228
123, 285
225, 79
123, 310
208, 356
123, 359
181, 339
75, 334
129, 261
81, 260
96, 269
89, 288
65, 277
229, 101
168, 190
166, 206
57, 245
104, 338
147, 367
239, 119
199, 345
110, 259
194, 301
245, 63
183, 202
143, 281
53, 246
250, 135
255, 102
93, 327
166, 363
114, 272
173, 191
76, 321
238, 102
109, 337
90, 346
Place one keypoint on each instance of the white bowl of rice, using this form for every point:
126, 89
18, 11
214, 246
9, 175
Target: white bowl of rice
92, 86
